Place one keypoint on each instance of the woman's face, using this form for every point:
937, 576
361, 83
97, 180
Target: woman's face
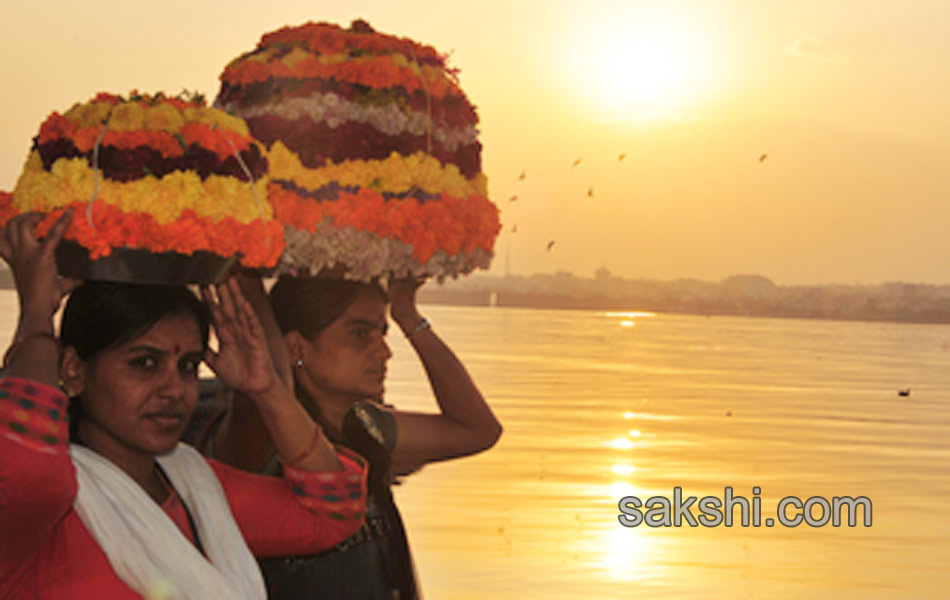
349, 357
137, 398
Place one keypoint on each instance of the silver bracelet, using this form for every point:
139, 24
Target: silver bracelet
422, 326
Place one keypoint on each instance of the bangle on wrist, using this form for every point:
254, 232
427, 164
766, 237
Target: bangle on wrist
17, 344
422, 326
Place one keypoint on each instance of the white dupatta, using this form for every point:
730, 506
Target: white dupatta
145, 547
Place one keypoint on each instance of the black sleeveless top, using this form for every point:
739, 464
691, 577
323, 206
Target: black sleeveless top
374, 564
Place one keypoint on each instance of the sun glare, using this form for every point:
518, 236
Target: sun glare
638, 64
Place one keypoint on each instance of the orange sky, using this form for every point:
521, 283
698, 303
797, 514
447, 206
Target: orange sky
847, 99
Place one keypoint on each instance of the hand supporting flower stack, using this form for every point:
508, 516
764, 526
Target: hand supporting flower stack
374, 158
164, 190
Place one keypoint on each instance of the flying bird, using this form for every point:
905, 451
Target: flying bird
622, 156
763, 157
522, 176
513, 198
590, 192
550, 245
576, 162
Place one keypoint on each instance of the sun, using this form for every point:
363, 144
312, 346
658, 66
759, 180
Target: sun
638, 64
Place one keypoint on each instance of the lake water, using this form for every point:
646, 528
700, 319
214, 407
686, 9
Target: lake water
598, 406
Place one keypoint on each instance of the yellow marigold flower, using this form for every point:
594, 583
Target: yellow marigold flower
283, 163
79, 180
295, 57
231, 122
33, 164
216, 118
395, 174
163, 117
76, 180
400, 60
71, 180
228, 196
89, 114
480, 184
332, 59
432, 73
351, 172
127, 116
265, 55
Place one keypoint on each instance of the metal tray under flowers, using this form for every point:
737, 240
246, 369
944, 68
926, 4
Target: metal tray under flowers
135, 265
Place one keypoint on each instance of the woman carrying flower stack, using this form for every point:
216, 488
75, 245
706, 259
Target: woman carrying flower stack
334, 333
125, 510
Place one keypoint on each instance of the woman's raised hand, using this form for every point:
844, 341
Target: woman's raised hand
244, 364
33, 263
243, 361
402, 302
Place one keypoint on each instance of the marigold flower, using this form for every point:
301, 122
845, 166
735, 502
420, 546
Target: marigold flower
164, 117
373, 150
207, 205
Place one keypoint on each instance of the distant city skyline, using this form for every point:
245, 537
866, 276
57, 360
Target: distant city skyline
746, 295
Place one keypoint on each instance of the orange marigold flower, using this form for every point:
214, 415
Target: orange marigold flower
214, 139
56, 126
259, 244
7, 209
85, 138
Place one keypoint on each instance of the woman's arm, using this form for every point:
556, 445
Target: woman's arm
466, 424
37, 484
34, 353
306, 512
240, 438
244, 364
322, 499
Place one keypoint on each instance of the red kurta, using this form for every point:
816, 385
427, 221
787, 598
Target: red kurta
46, 550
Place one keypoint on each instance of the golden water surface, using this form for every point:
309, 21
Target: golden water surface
598, 406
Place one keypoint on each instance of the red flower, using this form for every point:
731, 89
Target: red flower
56, 126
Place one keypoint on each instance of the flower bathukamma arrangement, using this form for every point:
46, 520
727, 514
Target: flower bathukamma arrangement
374, 158
149, 176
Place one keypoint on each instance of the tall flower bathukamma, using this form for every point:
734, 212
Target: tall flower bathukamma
374, 157
163, 175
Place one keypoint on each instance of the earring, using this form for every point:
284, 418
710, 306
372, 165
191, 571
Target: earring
298, 363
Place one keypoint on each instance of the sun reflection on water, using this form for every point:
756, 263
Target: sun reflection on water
629, 315
630, 415
621, 443
622, 469
628, 554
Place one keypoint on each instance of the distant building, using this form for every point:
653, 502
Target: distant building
756, 286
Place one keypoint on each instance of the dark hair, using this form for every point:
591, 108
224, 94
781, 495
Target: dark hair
310, 304
103, 315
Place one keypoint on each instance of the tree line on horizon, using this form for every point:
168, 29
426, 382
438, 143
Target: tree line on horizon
747, 295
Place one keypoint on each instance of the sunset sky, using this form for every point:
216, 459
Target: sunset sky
847, 101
